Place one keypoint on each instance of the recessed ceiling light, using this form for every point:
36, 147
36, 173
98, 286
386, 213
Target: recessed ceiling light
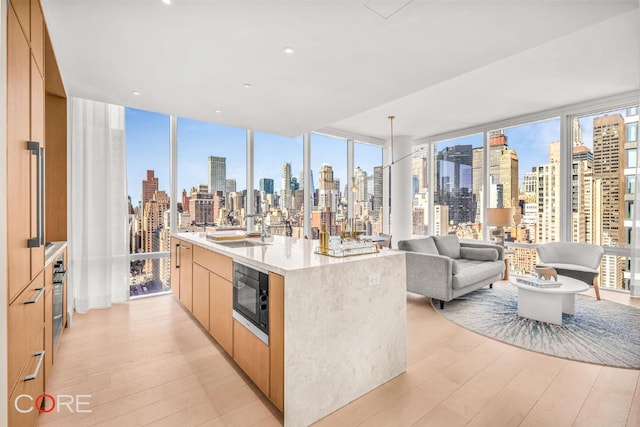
136, 93
288, 50
218, 111
166, 1
247, 86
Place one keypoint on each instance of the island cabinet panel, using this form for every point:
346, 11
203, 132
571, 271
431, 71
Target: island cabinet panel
174, 256
221, 311
186, 275
201, 294
214, 262
252, 355
276, 339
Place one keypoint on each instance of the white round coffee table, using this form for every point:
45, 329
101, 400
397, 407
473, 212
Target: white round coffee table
548, 304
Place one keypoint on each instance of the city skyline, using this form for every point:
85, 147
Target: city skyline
147, 136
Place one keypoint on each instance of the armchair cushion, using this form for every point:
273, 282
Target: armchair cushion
479, 254
448, 246
425, 245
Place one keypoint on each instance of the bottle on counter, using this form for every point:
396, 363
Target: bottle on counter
324, 239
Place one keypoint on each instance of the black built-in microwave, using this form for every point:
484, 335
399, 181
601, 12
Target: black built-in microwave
251, 295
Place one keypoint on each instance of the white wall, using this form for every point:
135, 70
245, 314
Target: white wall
3, 212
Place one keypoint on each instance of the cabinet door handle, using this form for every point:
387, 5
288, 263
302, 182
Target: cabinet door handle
37, 371
38, 295
178, 255
38, 151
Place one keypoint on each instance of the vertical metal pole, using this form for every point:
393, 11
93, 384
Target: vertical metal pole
250, 202
173, 171
386, 190
307, 184
566, 228
484, 203
350, 168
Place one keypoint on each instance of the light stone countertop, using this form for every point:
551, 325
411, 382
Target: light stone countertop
53, 252
282, 254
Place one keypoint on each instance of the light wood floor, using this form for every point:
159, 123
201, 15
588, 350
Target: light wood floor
148, 363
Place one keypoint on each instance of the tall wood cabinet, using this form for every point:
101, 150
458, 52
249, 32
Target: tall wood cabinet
29, 313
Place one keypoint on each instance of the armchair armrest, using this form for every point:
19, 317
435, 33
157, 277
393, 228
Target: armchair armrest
429, 275
478, 244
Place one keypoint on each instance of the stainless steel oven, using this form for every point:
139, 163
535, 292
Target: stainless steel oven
58, 282
251, 299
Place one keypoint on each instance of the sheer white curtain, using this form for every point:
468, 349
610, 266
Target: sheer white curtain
98, 245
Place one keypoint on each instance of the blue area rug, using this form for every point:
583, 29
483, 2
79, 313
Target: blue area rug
601, 332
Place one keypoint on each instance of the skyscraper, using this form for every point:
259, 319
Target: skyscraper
454, 183
609, 138
229, 186
217, 174
149, 187
153, 216
285, 186
266, 185
503, 164
378, 179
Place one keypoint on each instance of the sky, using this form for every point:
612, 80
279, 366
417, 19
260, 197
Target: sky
147, 136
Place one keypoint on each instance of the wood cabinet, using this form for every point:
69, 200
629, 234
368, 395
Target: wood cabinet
37, 36
18, 157
30, 385
252, 355
276, 339
23, 12
174, 255
201, 294
185, 255
25, 328
221, 311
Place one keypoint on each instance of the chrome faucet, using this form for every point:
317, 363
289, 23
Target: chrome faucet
263, 234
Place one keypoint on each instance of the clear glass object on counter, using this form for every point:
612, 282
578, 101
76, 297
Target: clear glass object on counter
348, 247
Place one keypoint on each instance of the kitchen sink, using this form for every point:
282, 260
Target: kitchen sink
241, 243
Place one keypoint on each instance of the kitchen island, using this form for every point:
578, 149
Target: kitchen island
343, 322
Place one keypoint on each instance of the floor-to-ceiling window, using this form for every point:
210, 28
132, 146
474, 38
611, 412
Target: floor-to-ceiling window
279, 182
211, 175
329, 181
366, 187
458, 193
148, 168
603, 187
524, 176
420, 191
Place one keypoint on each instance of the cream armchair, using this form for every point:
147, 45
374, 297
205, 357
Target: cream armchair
577, 260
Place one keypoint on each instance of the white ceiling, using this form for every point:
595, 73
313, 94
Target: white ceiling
437, 66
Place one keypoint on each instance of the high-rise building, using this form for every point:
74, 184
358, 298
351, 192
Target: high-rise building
149, 187
548, 176
328, 189
582, 194
185, 201
266, 185
201, 205
217, 174
229, 186
152, 223
378, 179
609, 139
419, 170
361, 195
503, 164
454, 183
285, 186
576, 133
